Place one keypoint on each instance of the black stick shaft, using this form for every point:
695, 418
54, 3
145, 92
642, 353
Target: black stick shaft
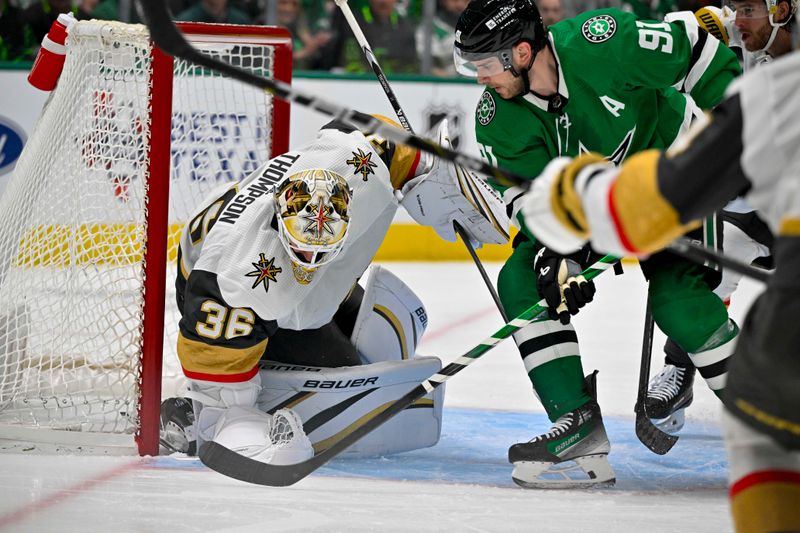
700, 254
647, 353
164, 32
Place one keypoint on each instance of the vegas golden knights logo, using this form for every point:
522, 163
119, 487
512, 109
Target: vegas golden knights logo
265, 271
362, 162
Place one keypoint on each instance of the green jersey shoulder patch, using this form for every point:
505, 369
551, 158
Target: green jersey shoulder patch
486, 108
600, 28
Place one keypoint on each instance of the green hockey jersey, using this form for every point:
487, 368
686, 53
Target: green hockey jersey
624, 81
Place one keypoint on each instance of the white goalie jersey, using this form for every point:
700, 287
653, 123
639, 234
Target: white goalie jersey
237, 283
284, 247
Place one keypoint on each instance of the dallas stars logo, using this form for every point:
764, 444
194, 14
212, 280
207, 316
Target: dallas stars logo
598, 29
265, 272
362, 163
318, 220
486, 108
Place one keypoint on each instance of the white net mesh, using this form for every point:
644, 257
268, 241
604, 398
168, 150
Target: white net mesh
73, 221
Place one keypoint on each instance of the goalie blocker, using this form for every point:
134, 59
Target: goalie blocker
331, 402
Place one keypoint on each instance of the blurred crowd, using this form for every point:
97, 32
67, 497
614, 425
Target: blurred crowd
407, 36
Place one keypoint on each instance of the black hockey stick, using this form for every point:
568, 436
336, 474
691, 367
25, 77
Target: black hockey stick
232, 464
649, 435
369, 55
167, 36
697, 253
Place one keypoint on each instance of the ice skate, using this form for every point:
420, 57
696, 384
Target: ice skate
177, 431
572, 454
669, 393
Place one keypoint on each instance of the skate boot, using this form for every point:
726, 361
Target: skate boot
177, 432
574, 453
668, 395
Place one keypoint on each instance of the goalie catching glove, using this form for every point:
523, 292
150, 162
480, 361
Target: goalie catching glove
448, 192
560, 283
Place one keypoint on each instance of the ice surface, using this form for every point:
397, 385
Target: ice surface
461, 484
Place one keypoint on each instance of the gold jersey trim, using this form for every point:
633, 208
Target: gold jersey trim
201, 358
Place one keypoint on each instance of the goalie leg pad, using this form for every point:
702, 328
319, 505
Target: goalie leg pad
331, 402
390, 321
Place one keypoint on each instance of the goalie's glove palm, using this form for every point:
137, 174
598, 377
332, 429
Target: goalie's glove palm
560, 283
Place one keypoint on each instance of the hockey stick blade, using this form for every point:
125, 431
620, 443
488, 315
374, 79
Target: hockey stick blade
648, 434
167, 36
229, 463
232, 464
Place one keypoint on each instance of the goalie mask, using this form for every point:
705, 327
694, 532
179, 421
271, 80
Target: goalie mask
313, 211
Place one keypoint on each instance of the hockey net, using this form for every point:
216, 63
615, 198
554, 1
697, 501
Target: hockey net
85, 276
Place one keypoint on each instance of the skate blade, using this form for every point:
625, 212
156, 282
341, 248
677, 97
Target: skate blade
671, 424
589, 471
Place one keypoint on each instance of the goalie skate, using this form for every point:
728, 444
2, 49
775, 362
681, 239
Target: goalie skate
177, 431
669, 393
573, 454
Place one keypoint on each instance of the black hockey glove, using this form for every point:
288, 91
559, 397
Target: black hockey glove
559, 282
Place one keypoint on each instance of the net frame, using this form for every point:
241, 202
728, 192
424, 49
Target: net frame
159, 236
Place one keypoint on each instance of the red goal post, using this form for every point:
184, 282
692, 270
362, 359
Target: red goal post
127, 146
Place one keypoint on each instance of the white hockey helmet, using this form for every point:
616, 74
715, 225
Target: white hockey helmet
769, 9
313, 210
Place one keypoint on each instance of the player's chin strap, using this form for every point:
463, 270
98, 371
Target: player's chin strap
525, 73
775, 27
555, 102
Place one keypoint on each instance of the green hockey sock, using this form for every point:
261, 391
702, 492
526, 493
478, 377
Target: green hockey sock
560, 385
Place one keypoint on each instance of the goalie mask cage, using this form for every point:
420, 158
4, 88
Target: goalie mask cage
126, 147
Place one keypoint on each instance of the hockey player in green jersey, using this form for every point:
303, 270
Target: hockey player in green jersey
605, 82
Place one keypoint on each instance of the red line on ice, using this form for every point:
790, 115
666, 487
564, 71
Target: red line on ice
64, 494
459, 323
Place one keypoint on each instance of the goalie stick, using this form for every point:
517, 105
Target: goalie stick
369, 55
648, 434
166, 35
232, 464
